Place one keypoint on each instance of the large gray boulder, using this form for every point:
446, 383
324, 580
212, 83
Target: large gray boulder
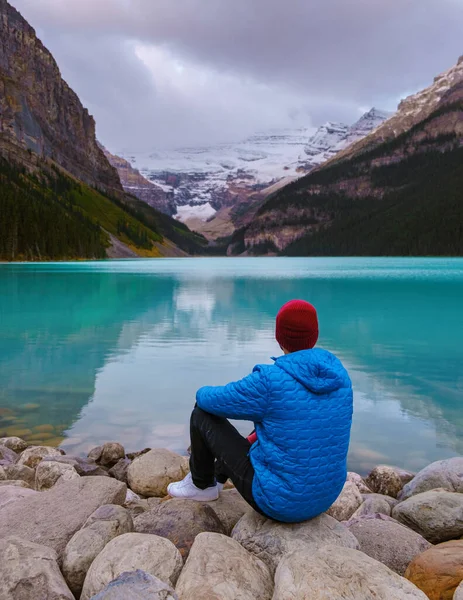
270, 541
387, 480
10, 494
18, 472
347, 502
180, 521
446, 474
53, 517
30, 572
387, 541
7, 456
437, 516
151, 473
137, 585
336, 573
35, 454
219, 567
106, 523
130, 552
14, 443
48, 473
374, 504
230, 507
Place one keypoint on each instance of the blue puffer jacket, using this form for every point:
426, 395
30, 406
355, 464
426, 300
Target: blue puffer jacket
302, 410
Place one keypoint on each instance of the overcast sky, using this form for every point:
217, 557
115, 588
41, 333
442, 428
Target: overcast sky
163, 73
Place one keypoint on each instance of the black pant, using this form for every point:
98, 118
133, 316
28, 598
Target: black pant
218, 453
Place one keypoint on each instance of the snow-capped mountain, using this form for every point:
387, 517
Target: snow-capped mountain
412, 110
331, 138
203, 180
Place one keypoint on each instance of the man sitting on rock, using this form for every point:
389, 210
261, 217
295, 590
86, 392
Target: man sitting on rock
294, 466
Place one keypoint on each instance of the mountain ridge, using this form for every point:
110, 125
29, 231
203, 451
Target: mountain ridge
373, 179
215, 189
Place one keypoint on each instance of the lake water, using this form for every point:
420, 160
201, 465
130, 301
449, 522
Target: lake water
92, 352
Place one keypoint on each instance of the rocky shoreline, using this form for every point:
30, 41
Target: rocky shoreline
101, 528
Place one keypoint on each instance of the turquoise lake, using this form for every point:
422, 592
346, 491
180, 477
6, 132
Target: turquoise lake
100, 351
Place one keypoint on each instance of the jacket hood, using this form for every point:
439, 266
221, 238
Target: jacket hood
318, 370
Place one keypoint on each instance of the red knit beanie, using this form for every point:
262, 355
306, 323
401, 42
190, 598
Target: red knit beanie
297, 326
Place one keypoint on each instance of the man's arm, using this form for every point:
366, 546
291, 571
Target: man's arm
244, 400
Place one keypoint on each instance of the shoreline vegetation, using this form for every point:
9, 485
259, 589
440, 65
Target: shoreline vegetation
100, 527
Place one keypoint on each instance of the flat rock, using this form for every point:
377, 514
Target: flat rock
151, 473
33, 455
30, 572
137, 585
446, 474
387, 480
336, 573
7, 456
391, 501
111, 453
12, 493
347, 502
48, 473
106, 523
358, 480
270, 541
15, 483
119, 471
53, 517
437, 516
374, 504
439, 571
230, 507
180, 521
18, 472
14, 443
85, 467
388, 542
130, 552
220, 568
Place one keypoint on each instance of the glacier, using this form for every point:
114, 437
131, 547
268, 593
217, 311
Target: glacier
201, 180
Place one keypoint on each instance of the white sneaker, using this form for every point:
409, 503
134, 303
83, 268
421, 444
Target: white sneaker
220, 486
187, 490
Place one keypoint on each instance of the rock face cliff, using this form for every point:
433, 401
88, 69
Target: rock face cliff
40, 115
134, 183
416, 155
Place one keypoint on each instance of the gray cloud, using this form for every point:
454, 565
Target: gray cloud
163, 72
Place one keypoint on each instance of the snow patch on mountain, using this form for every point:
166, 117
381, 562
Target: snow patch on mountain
203, 212
331, 138
201, 180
